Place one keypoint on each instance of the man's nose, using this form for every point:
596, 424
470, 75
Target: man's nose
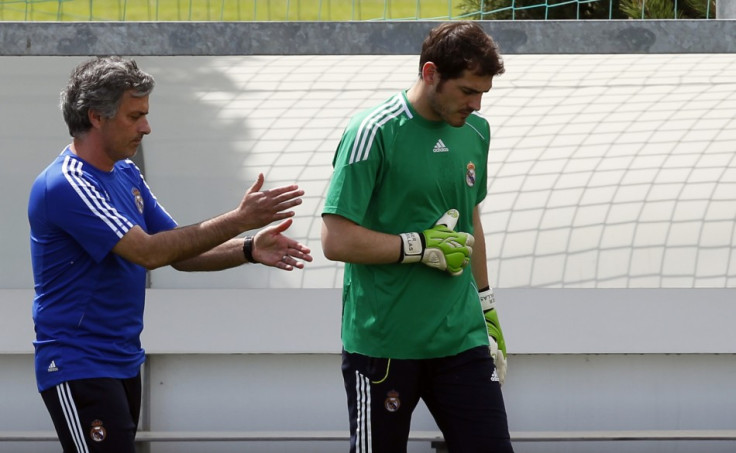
475, 102
145, 127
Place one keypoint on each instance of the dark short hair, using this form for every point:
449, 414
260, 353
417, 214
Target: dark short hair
99, 84
458, 46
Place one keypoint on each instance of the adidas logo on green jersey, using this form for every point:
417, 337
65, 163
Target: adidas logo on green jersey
440, 147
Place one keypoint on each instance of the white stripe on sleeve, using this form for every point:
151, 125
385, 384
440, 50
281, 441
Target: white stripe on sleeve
95, 201
371, 123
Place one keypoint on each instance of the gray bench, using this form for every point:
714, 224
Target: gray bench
146, 437
433, 437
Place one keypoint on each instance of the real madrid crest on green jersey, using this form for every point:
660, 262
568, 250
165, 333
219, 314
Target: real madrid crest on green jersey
470, 174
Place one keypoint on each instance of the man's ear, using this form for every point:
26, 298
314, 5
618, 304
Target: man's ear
429, 73
95, 118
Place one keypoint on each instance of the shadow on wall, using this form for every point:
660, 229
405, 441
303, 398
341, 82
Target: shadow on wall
32, 134
219, 121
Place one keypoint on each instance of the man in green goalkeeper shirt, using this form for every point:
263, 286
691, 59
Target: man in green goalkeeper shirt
419, 319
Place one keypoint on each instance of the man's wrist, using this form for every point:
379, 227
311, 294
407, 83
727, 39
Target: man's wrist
412, 247
248, 249
487, 299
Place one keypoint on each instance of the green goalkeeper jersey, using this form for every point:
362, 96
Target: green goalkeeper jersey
396, 172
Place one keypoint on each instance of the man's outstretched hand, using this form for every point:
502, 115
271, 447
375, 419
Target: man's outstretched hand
272, 248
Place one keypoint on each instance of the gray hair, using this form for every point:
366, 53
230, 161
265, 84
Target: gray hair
99, 84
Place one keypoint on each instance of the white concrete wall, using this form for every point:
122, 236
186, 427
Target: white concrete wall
610, 224
579, 360
726, 9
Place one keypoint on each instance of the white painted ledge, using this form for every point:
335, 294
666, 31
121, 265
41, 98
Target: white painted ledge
535, 321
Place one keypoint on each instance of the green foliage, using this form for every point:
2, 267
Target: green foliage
585, 9
539, 10
668, 9
702, 9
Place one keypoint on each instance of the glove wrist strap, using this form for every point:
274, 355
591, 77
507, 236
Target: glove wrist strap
487, 300
412, 247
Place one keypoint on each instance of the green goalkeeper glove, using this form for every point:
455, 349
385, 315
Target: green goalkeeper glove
439, 247
495, 334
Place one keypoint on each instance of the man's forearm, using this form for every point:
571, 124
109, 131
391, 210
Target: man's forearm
224, 256
173, 246
343, 240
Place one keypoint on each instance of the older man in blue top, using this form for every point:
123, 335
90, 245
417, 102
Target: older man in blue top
96, 228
